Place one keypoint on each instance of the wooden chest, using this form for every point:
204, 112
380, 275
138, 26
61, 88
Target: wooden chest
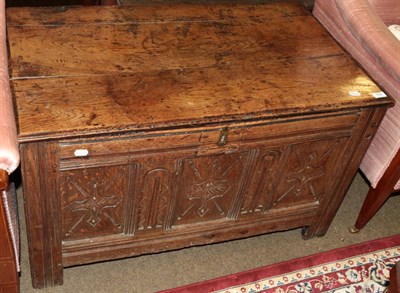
151, 128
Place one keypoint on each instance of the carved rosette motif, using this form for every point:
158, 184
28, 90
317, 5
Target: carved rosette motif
301, 181
306, 165
92, 203
206, 193
208, 187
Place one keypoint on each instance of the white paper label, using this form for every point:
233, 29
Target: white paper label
379, 95
81, 153
354, 93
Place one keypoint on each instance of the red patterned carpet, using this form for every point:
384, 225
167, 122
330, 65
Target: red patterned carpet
358, 268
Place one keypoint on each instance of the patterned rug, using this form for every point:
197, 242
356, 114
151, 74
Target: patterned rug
358, 268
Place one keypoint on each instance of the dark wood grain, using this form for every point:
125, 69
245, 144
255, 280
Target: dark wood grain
161, 12
3, 180
357, 147
134, 101
165, 46
156, 127
42, 210
153, 67
39, 3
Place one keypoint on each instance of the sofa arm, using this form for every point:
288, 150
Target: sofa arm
387, 10
9, 154
369, 29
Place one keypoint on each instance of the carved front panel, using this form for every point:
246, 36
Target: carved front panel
292, 175
258, 195
92, 202
307, 172
208, 187
153, 189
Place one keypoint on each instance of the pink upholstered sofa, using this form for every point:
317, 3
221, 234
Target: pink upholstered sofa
9, 155
9, 161
362, 28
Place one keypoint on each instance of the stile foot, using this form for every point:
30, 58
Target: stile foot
353, 230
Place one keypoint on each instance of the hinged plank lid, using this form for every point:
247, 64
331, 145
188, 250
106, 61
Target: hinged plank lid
88, 70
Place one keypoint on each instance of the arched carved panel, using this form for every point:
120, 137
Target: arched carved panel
153, 199
152, 191
258, 196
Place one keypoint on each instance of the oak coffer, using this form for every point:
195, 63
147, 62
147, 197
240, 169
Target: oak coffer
155, 127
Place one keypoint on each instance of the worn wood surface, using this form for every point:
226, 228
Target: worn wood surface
3, 180
157, 127
42, 208
160, 66
40, 3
